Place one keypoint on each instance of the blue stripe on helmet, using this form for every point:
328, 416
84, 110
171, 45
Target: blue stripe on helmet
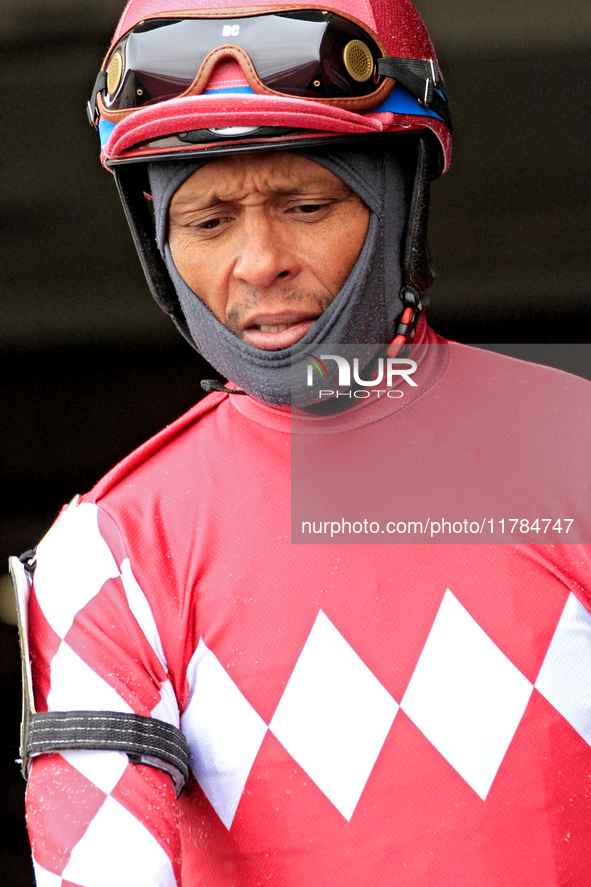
233, 89
400, 101
105, 129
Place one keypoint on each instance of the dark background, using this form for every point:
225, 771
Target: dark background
89, 366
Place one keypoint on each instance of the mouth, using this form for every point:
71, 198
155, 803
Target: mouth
271, 332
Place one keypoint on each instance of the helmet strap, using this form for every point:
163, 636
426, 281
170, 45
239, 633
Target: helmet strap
417, 267
133, 185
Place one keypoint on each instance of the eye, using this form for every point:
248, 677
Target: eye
310, 207
210, 223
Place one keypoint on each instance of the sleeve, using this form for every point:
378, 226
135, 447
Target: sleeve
94, 818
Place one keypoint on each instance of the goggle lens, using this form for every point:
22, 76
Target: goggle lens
306, 53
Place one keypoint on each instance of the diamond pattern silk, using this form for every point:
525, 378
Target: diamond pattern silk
384, 716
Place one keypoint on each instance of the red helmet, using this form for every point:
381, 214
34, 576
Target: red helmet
179, 79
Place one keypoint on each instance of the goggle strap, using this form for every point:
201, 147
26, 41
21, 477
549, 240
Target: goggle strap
132, 184
422, 78
100, 84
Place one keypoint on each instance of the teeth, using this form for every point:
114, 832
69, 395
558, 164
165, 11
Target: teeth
273, 329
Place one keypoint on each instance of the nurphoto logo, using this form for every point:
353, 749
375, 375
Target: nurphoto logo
387, 372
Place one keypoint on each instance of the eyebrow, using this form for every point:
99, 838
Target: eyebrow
304, 189
296, 191
199, 203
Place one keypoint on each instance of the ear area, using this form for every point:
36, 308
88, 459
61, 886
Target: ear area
133, 185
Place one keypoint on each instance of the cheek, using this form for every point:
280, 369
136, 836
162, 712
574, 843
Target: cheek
340, 256
204, 270
193, 264
355, 237
183, 256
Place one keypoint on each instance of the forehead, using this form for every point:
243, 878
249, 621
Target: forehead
279, 172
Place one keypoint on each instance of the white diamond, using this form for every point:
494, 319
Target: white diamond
466, 696
334, 716
565, 676
76, 686
103, 768
73, 564
167, 709
224, 733
118, 850
43, 878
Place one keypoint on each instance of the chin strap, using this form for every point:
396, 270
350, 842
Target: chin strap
417, 267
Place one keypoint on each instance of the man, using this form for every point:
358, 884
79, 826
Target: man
355, 714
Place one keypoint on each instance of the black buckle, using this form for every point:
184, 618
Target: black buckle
29, 560
410, 299
100, 84
430, 84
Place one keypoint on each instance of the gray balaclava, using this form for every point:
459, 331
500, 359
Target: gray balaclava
362, 312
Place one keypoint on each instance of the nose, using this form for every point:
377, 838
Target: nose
265, 255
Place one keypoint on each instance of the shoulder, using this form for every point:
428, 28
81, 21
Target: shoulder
483, 380
100, 531
131, 532
526, 363
153, 455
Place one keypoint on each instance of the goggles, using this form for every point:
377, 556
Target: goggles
303, 53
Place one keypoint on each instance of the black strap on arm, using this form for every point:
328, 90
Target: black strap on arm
422, 78
144, 740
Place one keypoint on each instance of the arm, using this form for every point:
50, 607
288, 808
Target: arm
94, 818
